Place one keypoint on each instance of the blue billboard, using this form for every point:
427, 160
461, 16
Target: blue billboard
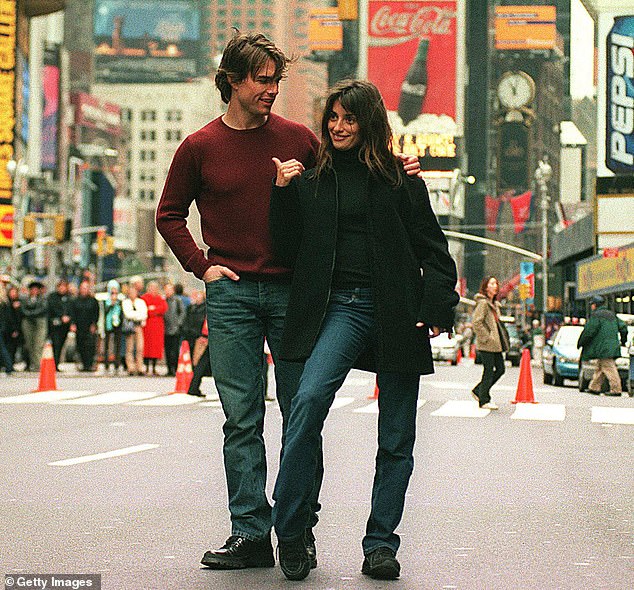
619, 148
150, 41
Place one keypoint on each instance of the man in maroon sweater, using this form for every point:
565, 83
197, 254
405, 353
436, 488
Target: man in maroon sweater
227, 169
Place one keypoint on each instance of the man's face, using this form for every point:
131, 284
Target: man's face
255, 95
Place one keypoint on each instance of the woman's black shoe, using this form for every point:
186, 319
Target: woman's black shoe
197, 393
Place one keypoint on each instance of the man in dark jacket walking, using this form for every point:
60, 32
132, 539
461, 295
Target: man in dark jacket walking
85, 314
59, 309
601, 339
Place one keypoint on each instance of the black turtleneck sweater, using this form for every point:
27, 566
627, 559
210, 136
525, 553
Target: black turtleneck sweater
352, 261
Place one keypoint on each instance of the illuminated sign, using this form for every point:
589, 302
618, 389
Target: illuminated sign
435, 145
325, 31
525, 27
602, 275
6, 226
7, 93
620, 97
152, 41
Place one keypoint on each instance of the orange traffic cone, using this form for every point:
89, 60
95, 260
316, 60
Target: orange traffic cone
472, 352
47, 370
524, 393
184, 373
459, 356
375, 395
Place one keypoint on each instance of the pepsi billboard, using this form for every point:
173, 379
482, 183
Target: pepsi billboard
619, 140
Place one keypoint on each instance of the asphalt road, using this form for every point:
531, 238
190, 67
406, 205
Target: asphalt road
539, 499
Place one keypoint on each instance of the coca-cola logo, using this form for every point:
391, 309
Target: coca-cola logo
390, 26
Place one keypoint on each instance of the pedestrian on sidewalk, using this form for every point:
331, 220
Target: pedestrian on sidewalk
154, 330
34, 323
357, 232
135, 316
5, 326
84, 318
174, 318
200, 360
492, 340
601, 339
59, 309
113, 320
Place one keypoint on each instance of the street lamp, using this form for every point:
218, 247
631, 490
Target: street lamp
543, 174
18, 170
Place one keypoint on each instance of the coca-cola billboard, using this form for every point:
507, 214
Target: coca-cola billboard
412, 60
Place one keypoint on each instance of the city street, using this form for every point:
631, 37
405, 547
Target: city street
112, 476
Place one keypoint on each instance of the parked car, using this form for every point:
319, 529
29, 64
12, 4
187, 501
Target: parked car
514, 353
444, 348
560, 357
623, 363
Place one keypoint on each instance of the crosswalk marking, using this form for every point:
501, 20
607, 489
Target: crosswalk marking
373, 408
109, 398
174, 399
547, 412
458, 386
461, 409
106, 455
42, 397
605, 415
341, 402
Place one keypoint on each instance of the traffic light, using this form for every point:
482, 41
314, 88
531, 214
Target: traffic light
61, 228
101, 242
109, 245
28, 227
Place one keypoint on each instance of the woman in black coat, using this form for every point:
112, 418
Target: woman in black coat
372, 281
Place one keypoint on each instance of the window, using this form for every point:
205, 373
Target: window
148, 115
147, 155
142, 194
147, 135
126, 114
174, 115
173, 135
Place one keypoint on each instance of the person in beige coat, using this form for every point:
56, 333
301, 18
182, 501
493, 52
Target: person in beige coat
491, 340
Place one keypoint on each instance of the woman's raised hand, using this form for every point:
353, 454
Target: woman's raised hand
286, 171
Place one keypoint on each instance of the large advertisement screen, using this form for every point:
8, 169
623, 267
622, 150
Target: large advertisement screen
152, 41
7, 94
615, 95
412, 60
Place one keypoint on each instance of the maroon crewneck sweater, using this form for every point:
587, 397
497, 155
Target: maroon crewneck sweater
229, 173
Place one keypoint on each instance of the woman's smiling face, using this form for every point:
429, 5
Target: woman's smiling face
343, 128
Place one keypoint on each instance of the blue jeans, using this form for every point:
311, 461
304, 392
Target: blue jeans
240, 315
348, 329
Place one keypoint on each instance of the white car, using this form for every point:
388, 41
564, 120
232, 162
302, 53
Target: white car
444, 348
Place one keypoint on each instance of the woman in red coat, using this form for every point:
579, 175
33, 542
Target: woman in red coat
154, 330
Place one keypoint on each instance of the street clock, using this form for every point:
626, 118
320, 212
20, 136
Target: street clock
516, 90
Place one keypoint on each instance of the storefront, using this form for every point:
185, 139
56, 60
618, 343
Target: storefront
611, 275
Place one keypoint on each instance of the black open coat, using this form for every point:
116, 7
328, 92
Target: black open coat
405, 238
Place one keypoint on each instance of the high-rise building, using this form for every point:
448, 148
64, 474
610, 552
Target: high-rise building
285, 22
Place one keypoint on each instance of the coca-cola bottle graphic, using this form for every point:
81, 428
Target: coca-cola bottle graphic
414, 87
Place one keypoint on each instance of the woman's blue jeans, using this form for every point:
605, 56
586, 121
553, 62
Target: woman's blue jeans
240, 315
348, 329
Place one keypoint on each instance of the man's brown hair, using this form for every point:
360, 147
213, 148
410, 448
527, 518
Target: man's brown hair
246, 54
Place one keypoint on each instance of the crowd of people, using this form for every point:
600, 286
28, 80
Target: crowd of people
131, 331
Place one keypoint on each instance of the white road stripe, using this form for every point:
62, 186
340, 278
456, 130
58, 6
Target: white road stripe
110, 398
606, 415
454, 385
42, 397
174, 399
107, 455
552, 412
460, 409
341, 402
373, 408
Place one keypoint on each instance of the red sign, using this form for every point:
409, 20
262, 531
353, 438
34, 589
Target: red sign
610, 252
95, 113
412, 59
6, 226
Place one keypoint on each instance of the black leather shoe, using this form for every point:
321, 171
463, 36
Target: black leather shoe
381, 564
239, 553
309, 542
294, 559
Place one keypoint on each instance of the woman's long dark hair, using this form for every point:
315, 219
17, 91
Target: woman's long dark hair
364, 101
485, 282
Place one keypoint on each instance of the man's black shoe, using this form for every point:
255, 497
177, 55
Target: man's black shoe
294, 559
381, 564
239, 553
309, 541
